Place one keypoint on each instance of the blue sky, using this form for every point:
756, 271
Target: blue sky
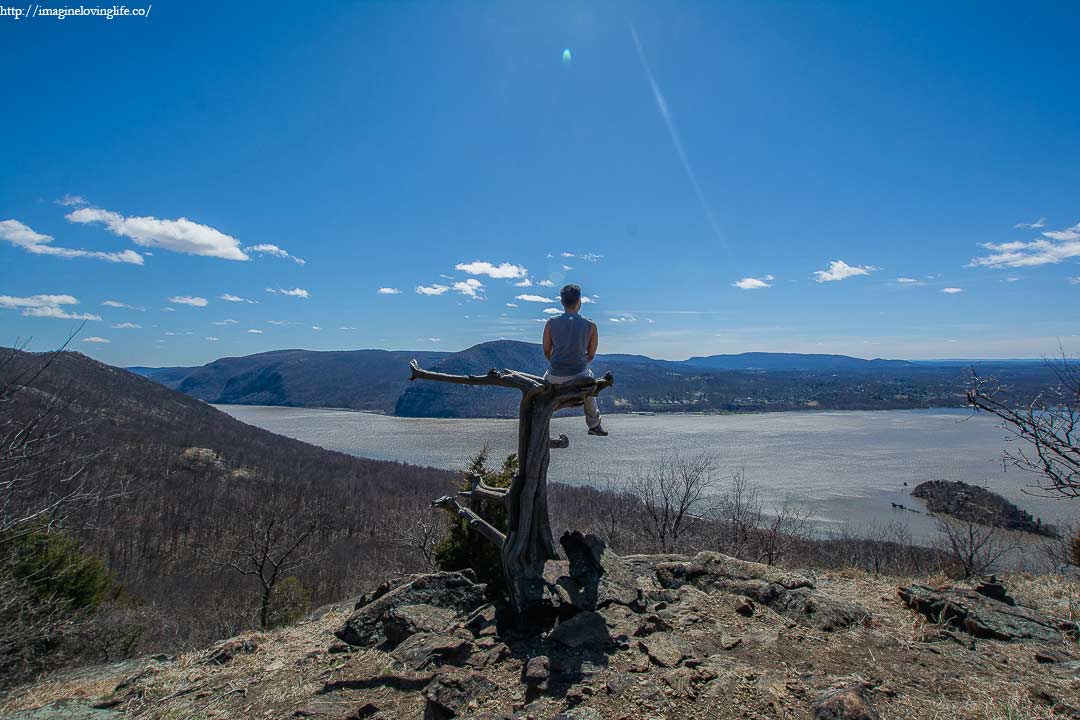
719, 177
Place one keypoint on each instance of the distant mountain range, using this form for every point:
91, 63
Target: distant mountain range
377, 381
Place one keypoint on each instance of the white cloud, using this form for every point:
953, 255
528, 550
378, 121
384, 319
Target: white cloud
168, 309
295, 292
126, 326
274, 250
1075, 280
37, 243
553, 311
750, 283
1012, 279
952, 290
1041, 222
316, 327
389, 291
118, 304
623, 319
840, 270
229, 297
567, 267
587, 257
72, 201
346, 327
95, 339
1062, 245
524, 283
511, 304
211, 338
434, 340
255, 332
907, 281
45, 306
227, 321
470, 288
180, 235
433, 289
188, 300
502, 271
585, 299
534, 298
546, 283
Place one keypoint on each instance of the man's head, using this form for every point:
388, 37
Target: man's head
571, 298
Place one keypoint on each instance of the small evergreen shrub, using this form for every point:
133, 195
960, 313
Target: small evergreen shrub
58, 569
462, 548
290, 602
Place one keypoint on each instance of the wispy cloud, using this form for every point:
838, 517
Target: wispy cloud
1074, 280
188, 300
472, 288
952, 290
1055, 246
253, 331
45, 306
210, 338
295, 292
587, 257
502, 271
553, 311
750, 283
275, 251
665, 113
72, 201
388, 291
908, 281
316, 327
623, 319
126, 326
1040, 223
95, 339
228, 297
511, 304
546, 283
534, 298
37, 243
840, 270
227, 321
524, 283
433, 289
180, 235
118, 304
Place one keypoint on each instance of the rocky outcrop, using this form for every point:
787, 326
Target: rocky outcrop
991, 616
426, 603
847, 703
786, 593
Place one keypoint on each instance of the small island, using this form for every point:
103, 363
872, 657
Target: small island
976, 504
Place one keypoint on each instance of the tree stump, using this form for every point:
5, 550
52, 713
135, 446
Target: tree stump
528, 543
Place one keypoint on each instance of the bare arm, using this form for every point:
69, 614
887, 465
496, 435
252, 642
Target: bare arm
594, 341
548, 347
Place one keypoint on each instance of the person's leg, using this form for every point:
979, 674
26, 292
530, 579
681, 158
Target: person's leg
592, 408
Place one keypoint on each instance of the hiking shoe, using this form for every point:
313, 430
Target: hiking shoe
598, 430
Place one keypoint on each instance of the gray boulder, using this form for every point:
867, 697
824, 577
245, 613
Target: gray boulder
979, 615
847, 703
450, 693
447, 591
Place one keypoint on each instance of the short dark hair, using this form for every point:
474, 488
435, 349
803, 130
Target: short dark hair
570, 295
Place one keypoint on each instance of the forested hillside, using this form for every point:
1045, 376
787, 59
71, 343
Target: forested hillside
171, 493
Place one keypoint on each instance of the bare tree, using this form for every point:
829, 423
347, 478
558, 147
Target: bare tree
1048, 428
971, 546
266, 541
788, 525
739, 511
676, 494
416, 528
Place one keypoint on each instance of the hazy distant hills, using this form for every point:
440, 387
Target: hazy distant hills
377, 381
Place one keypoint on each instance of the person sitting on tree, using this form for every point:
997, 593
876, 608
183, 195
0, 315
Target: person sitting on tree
570, 343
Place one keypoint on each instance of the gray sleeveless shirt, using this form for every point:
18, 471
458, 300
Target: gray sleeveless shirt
570, 333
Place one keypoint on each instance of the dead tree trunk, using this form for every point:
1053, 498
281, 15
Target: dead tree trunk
528, 543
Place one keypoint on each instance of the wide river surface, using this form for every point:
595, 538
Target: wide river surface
847, 466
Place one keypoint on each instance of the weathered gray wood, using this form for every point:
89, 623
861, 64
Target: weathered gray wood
528, 543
